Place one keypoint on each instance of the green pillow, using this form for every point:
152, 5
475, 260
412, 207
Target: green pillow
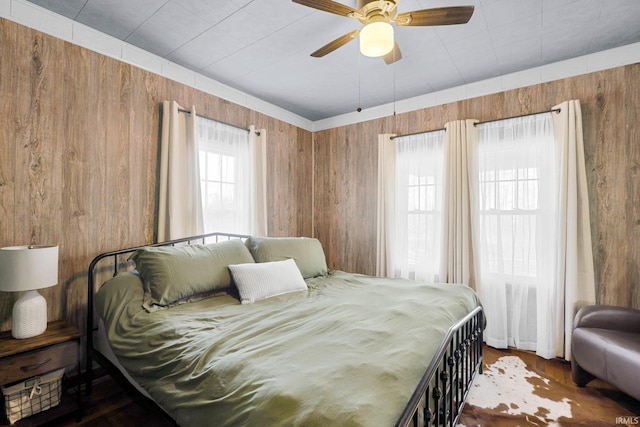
306, 252
175, 274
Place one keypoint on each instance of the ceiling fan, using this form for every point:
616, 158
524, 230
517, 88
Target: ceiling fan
376, 37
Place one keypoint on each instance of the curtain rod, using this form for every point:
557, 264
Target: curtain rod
182, 110
555, 110
417, 133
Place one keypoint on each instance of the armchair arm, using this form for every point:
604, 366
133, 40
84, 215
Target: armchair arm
608, 317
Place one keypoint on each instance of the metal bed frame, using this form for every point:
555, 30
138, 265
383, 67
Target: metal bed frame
437, 401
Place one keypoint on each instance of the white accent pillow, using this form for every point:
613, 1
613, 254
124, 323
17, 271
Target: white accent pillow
266, 279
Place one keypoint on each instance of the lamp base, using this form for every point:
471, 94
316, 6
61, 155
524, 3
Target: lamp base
29, 315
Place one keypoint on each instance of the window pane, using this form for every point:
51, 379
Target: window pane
507, 195
506, 175
213, 196
413, 197
528, 195
228, 196
202, 160
430, 198
228, 169
213, 163
488, 199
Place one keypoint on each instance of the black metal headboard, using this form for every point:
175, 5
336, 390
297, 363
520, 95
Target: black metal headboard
116, 266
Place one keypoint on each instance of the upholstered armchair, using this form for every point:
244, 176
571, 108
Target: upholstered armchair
606, 345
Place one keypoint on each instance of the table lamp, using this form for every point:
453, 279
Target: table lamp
28, 268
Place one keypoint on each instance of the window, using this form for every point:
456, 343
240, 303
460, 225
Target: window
419, 175
422, 214
513, 169
218, 186
516, 228
508, 212
225, 158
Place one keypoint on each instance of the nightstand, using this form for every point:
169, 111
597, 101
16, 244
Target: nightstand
58, 347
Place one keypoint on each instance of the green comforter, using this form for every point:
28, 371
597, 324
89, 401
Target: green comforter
349, 351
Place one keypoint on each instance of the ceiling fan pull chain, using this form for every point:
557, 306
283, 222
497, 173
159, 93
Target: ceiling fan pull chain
394, 81
359, 81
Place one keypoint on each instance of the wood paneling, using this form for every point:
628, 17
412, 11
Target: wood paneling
346, 163
345, 196
78, 151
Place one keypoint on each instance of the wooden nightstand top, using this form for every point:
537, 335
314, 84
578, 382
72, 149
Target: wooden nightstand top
58, 331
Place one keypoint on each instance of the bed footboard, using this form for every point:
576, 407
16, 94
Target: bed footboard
440, 396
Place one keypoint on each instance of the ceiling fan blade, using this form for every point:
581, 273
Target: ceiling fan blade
394, 55
327, 6
437, 16
339, 42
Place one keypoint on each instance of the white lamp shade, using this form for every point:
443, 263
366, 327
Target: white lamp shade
24, 268
27, 268
376, 39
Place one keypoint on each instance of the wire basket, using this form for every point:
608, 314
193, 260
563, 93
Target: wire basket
32, 396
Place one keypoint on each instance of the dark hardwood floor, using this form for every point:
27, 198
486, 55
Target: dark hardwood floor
109, 405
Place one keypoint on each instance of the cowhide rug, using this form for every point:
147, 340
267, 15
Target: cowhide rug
511, 393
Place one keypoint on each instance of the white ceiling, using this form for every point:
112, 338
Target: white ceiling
262, 47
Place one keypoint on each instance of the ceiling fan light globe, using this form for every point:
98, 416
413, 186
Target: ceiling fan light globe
376, 39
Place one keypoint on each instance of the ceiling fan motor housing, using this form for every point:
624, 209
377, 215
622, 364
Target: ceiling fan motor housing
375, 10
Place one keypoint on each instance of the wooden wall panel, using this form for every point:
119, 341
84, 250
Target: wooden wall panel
345, 196
75, 178
79, 135
78, 151
289, 154
631, 143
8, 100
346, 159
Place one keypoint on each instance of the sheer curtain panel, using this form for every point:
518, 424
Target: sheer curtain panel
227, 177
517, 230
179, 202
410, 205
419, 173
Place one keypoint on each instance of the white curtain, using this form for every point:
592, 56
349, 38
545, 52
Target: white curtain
386, 204
458, 264
258, 140
179, 202
418, 191
574, 258
535, 239
517, 229
228, 177
515, 221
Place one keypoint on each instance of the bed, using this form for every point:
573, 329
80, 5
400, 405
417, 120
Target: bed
331, 348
